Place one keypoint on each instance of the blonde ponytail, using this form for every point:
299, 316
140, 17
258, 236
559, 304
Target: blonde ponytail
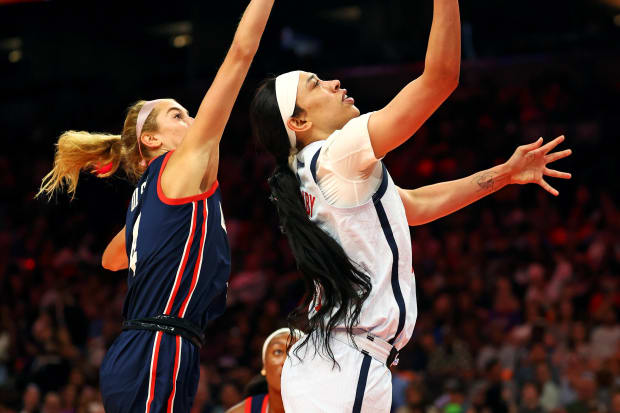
99, 153
78, 151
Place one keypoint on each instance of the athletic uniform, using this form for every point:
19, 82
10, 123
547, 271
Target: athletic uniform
179, 264
257, 404
351, 196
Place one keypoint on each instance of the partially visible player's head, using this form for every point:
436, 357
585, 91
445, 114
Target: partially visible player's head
274, 355
162, 125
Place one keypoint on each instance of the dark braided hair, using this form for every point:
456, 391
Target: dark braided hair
324, 265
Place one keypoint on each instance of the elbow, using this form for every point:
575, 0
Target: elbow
452, 80
109, 264
243, 50
449, 82
445, 79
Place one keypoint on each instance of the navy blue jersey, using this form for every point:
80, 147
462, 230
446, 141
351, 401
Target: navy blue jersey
179, 257
256, 404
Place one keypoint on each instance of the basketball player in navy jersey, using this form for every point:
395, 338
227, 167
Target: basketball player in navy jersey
174, 243
348, 223
274, 355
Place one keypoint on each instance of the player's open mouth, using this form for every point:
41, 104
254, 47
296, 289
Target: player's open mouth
348, 99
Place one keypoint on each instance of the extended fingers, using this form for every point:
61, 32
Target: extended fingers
557, 155
548, 188
531, 146
556, 174
550, 145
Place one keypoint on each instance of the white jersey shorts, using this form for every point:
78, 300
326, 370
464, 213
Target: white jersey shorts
313, 385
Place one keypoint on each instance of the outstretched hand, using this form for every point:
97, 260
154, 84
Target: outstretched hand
528, 164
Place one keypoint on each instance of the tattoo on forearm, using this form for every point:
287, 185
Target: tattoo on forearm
490, 181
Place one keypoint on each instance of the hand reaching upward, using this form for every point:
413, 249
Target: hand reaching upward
528, 164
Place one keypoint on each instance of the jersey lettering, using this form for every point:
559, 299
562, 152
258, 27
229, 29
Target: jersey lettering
133, 258
134, 199
309, 202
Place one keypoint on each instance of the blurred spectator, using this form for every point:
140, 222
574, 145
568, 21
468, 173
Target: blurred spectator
451, 358
31, 399
230, 394
529, 399
494, 397
605, 337
615, 402
416, 399
550, 392
51, 403
586, 396
202, 401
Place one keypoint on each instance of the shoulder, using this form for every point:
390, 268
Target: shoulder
354, 127
352, 137
239, 408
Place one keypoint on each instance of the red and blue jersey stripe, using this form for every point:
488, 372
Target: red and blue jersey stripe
179, 261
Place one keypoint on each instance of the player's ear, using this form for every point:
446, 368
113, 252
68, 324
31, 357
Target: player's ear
151, 141
298, 124
263, 372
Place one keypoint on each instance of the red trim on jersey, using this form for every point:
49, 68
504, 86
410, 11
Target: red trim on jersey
153, 371
248, 404
180, 201
198, 265
175, 373
265, 404
179, 276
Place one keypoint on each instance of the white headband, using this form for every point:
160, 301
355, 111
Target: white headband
144, 113
286, 94
296, 333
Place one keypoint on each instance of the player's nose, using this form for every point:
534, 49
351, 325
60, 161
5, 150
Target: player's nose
335, 85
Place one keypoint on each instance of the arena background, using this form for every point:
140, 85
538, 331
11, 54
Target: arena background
518, 294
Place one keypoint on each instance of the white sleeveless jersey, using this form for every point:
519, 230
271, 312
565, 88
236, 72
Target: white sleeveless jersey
374, 235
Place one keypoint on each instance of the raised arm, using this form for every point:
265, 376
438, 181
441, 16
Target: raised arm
196, 159
217, 104
403, 116
528, 164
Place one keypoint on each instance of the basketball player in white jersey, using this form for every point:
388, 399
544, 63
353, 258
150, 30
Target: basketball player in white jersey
348, 223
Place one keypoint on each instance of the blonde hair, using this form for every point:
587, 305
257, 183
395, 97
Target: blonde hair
78, 151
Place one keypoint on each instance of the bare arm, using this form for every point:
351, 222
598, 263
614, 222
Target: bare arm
527, 165
115, 255
405, 114
193, 166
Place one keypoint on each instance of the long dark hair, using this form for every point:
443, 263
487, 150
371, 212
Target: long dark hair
326, 268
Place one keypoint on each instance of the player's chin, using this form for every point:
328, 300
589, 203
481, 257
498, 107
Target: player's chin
347, 110
354, 110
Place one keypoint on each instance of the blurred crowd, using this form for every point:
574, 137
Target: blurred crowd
518, 295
